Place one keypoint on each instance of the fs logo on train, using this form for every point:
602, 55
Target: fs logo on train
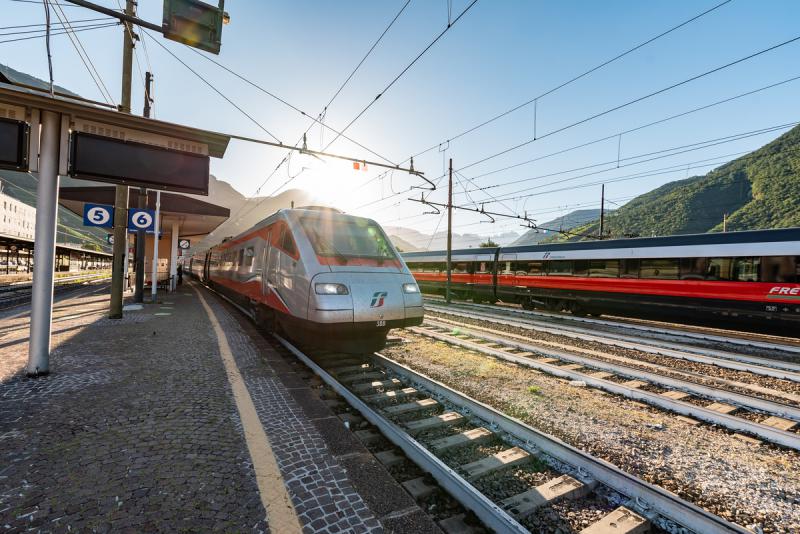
377, 299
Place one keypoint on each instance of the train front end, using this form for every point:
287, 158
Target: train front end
361, 288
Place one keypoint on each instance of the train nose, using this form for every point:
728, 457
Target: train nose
375, 300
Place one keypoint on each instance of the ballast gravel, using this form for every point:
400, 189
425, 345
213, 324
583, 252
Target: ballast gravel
756, 486
704, 373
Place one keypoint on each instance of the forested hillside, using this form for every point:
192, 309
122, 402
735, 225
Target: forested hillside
757, 191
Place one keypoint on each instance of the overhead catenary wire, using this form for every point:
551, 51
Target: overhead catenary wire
672, 151
286, 103
638, 128
716, 161
707, 145
62, 32
634, 101
47, 45
504, 215
575, 78
285, 159
212, 86
41, 27
402, 72
615, 134
79, 48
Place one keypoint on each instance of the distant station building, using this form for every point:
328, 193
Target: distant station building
19, 219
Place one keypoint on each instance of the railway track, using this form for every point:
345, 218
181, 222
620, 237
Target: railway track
769, 420
19, 293
685, 336
788, 368
471, 449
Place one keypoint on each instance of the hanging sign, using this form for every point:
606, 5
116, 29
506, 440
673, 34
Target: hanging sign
101, 215
141, 219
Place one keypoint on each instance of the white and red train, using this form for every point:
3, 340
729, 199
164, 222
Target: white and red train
752, 276
318, 275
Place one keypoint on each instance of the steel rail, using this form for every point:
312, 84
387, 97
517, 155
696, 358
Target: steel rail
753, 364
491, 514
774, 435
647, 329
755, 403
656, 499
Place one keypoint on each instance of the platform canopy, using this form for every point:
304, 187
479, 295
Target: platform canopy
195, 218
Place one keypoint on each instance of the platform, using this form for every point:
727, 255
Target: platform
178, 417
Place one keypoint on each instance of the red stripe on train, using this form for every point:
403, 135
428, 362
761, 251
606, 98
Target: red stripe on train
252, 290
721, 290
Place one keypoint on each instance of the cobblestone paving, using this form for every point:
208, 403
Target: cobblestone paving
323, 497
135, 430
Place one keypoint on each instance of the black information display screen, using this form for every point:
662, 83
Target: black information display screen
13, 145
105, 159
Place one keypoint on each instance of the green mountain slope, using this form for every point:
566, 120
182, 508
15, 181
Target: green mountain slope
760, 190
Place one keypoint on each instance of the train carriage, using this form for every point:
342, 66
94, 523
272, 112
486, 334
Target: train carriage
319, 276
752, 276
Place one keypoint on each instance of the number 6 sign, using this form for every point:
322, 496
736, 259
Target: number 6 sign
140, 219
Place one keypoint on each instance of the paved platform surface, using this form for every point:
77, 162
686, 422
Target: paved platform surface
140, 428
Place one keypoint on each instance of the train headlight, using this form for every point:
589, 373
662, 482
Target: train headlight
410, 288
331, 289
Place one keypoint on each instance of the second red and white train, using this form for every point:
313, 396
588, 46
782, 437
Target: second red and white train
746, 277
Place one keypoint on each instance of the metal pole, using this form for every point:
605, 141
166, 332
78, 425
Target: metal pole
121, 197
449, 233
45, 243
141, 236
602, 208
154, 278
173, 255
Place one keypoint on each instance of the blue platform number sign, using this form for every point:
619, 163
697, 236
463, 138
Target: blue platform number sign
98, 215
140, 219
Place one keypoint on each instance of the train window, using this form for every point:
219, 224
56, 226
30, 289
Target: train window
719, 269
240, 258
780, 269
460, 268
249, 254
347, 238
529, 268
629, 268
287, 243
666, 268
746, 269
604, 268
413, 266
693, 268
483, 267
560, 268
580, 268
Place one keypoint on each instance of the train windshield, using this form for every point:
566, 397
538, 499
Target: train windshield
347, 238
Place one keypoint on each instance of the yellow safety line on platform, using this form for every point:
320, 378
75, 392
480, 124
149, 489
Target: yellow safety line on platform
281, 514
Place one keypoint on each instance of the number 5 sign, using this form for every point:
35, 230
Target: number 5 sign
140, 219
98, 215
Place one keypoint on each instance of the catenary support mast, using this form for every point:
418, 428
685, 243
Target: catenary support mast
121, 192
448, 296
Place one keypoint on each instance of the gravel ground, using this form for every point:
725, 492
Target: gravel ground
755, 486
701, 373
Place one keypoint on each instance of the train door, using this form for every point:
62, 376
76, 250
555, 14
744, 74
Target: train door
271, 265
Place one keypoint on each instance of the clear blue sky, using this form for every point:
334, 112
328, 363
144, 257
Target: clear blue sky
500, 54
